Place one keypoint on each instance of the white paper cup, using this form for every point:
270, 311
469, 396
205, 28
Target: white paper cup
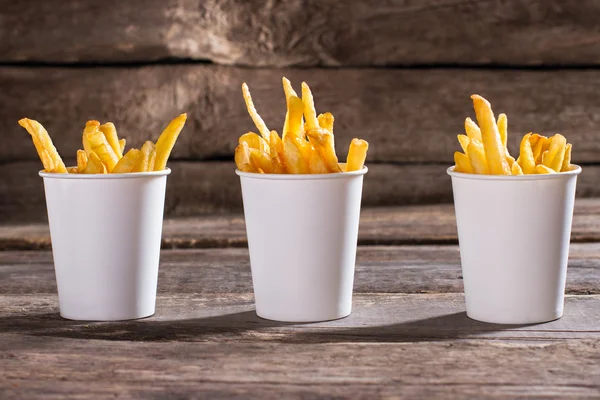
106, 234
302, 234
514, 234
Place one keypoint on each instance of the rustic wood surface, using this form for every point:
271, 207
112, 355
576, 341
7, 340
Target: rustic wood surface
423, 224
408, 115
304, 33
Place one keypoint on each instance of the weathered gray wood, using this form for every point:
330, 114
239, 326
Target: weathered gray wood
389, 269
408, 115
228, 317
429, 224
334, 33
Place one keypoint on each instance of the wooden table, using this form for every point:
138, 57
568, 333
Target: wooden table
408, 335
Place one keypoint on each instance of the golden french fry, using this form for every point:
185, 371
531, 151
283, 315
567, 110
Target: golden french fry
242, 158
510, 159
82, 160
464, 142
72, 170
316, 164
477, 157
542, 169
310, 114
515, 169
472, 130
287, 88
167, 140
43, 143
122, 143
90, 127
94, 164
567, 159
261, 161
152, 160
294, 122
128, 162
258, 121
276, 153
102, 148
110, 132
526, 157
326, 121
143, 162
289, 92
554, 156
357, 153
295, 162
542, 144
462, 163
492, 143
322, 140
503, 128
255, 141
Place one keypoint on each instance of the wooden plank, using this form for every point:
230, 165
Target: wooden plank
229, 317
389, 269
33, 368
423, 224
334, 33
408, 115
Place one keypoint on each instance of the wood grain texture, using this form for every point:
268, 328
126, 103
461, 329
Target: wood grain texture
428, 224
379, 269
303, 33
407, 115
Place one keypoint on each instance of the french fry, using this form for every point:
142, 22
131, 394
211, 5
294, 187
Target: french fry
258, 121
255, 141
472, 130
44, 146
503, 128
515, 169
542, 169
242, 158
289, 92
326, 121
261, 161
567, 159
357, 153
94, 164
477, 157
492, 143
110, 132
122, 143
90, 127
464, 142
128, 162
462, 163
316, 164
526, 157
102, 148
143, 162
310, 114
167, 140
152, 160
294, 123
554, 156
82, 160
322, 140
276, 153
72, 170
295, 162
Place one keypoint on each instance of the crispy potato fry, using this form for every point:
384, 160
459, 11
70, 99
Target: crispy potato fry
462, 163
255, 141
276, 153
492, 143
289, 92
554, 156
292, 155
128, 162
503, 128
526, 158
72, 170
567, 159
310, 114
515, 169
542, 169
152, 160
477, 157
464, 142
122, 143
316, 164
143, 162
326, 121
110, 132
294, 123
261, 161
90, 127
258, 121
44, 146
322, 140
102, 148
357, 153
82, 160
472, 130
94, 164
242, 158
167, 140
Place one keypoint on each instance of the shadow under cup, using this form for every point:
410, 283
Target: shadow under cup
106, 235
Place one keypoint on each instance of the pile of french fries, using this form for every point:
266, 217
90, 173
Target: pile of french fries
306, 145
103, 150
485, 151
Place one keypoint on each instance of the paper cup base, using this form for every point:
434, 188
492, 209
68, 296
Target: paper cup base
287, 318
538, 319
106, 318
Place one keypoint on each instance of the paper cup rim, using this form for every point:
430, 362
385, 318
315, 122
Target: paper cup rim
300, 177
129, 175
513, 178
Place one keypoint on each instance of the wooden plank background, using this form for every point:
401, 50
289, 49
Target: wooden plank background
402, 79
